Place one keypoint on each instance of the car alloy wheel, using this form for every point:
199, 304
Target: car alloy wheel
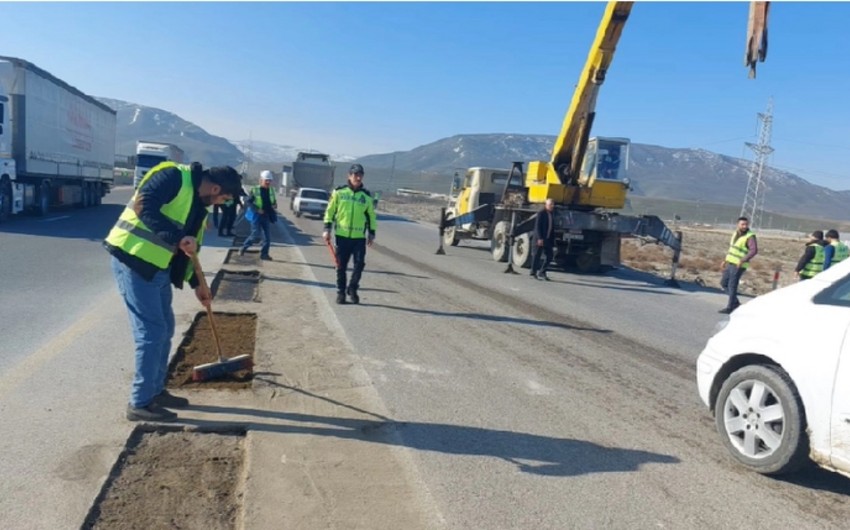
761, 419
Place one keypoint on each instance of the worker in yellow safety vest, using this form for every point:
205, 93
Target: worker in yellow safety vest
811, 262
835, 251
742, 248
151, 245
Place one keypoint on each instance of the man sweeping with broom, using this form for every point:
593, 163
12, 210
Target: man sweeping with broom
151, 245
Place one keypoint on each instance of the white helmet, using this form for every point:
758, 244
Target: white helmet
266, 175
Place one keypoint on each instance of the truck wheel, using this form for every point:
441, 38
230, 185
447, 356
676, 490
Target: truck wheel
5, 201
43, 199
450, 236
97, 193
498, 243
522, 251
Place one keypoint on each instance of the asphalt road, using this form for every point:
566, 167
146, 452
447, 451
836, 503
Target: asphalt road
65, 363
523, 404
567, 404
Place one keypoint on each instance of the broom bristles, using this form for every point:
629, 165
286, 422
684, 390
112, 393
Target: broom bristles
204, 372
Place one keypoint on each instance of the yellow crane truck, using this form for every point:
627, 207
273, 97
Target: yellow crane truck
586, 177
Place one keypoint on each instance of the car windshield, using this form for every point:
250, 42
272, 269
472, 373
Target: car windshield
314, 194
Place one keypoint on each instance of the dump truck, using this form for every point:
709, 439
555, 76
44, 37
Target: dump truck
309, 170
57, 144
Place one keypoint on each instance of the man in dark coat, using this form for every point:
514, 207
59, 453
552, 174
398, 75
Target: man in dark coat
544, 235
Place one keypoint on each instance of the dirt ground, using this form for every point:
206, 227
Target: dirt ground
237, 333
186, 480
704, 249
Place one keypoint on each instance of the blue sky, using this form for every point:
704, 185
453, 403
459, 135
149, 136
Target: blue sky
365, 78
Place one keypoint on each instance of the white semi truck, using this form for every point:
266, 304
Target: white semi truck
57, 145
149, 154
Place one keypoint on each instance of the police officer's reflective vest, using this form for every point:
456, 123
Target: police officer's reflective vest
132, 236
842, 252
815, 265
352, 212
738, 249
258, 198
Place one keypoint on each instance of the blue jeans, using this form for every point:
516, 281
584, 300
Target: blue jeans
261, 223
729, 282
152, 321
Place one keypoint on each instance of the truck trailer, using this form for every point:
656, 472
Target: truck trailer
57, 144
150, 153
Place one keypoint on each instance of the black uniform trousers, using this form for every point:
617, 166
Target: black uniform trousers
547, 252
346, 248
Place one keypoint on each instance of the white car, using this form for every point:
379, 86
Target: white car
310, 201
776, 375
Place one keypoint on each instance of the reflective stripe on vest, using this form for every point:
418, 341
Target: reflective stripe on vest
738, 249
132, 236
258, 198
842, 252
815, 265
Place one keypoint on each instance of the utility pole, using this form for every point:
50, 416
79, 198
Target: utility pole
753, 206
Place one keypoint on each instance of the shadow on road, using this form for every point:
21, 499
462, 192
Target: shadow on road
323, 285
488, 318
816, 478
530, 453
393, 218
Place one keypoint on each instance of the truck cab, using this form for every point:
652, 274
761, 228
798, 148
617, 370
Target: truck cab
149, 154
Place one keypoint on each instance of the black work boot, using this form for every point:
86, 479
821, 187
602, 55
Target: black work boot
151, 412
167, 399
340, 298
352, 293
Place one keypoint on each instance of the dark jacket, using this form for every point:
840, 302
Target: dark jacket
161, 188
808, 254
544, 227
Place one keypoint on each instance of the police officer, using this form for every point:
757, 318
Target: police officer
811, 262
351, 213
150, 245
835, 251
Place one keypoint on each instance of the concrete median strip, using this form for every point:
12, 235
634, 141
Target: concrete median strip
319, 448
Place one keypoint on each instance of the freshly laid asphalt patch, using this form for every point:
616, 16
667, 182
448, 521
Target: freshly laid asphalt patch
237, 332
240, 286
170, 478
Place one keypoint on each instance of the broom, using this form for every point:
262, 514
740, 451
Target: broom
223, 366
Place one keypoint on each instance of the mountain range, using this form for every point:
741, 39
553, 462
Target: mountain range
656, 172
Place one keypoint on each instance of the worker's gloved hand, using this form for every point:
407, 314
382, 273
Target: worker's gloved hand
539, 242
370, 240
189, 245
204, 296
326, 235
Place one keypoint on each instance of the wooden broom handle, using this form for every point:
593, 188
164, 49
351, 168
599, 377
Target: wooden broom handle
203, 281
